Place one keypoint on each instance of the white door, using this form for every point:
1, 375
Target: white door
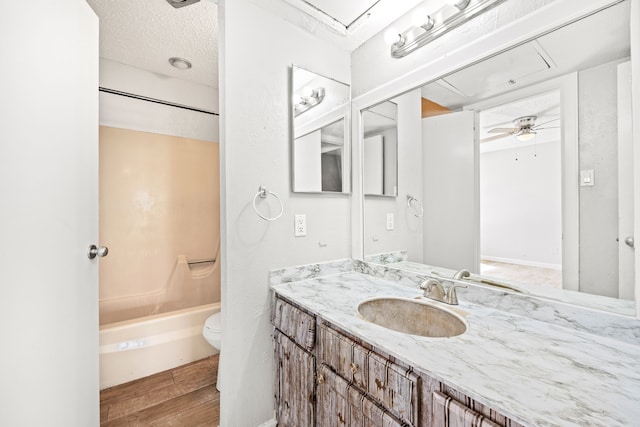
373, 164
48, 214
626, 276
451, 212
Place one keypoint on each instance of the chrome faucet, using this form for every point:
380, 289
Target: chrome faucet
433, 289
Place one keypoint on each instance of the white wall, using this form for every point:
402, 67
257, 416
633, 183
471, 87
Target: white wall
598, 132
521, 205
407, 234
256, 50
128, 113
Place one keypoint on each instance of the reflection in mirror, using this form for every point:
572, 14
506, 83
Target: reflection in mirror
526, 171
319, 109
380, 163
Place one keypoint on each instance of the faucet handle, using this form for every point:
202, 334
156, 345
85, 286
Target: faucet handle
462, 274
450, 295
433, 289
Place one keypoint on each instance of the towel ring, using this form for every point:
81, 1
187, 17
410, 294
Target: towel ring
263, 192
411, 204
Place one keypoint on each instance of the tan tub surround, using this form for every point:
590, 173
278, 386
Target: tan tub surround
532, 372
160, 218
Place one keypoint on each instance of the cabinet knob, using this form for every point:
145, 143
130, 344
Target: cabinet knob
354, 368
320, 379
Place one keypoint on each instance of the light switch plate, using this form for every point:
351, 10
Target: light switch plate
390, 222
300, 225
587, 178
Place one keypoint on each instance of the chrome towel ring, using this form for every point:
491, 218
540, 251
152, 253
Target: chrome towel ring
415, 206
263, 192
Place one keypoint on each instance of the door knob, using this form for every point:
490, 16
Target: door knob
629, 240
94, 251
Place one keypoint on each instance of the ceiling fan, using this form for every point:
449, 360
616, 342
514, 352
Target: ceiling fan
524, 129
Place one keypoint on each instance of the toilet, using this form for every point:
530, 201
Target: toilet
212, 332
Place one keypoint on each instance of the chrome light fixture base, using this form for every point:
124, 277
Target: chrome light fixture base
181, 3
445, 19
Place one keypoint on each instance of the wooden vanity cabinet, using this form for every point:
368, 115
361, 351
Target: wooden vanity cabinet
390, 385
295, 365
326, 377
340, 403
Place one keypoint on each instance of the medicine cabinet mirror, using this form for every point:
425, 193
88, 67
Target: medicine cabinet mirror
320, 150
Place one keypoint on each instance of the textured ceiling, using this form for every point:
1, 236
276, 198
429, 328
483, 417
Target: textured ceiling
146, 33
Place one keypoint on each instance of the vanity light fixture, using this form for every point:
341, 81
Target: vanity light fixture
460, 4
309, 99
181, 3
393, 37
427, 27
180, 63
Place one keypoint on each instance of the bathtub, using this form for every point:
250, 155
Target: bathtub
141, 347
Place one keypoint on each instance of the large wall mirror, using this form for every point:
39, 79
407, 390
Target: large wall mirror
519, 168
320, 149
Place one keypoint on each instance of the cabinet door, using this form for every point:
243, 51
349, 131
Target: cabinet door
451, 413
340, 404
294, 383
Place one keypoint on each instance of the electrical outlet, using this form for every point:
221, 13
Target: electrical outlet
300, 225
390, 225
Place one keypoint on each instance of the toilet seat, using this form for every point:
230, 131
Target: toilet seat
213, 323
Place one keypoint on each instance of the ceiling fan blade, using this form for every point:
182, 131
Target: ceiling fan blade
542, 124
503, 130
493, 138
552, 127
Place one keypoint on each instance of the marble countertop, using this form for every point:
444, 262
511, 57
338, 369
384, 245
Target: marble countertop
533, 372
613, 305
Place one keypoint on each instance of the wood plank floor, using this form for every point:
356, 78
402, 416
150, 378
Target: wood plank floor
185, 396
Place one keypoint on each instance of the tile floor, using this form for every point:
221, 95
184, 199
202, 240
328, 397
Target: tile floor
548, 277
185, 396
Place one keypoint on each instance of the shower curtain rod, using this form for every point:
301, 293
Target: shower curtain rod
154, 100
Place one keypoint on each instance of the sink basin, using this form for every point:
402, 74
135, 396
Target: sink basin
412, 317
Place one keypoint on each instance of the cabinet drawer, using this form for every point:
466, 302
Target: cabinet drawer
343, 355
394, 387
342, 404
295, 323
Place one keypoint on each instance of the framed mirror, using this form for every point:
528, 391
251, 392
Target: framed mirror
319, 146
380, 151
525, 169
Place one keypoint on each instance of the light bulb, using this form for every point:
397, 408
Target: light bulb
421, 18
460, 4
526, 135
308, 92
392, 36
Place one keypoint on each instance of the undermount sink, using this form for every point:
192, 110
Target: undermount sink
412, 317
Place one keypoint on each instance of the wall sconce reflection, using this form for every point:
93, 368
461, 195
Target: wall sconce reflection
309, 99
